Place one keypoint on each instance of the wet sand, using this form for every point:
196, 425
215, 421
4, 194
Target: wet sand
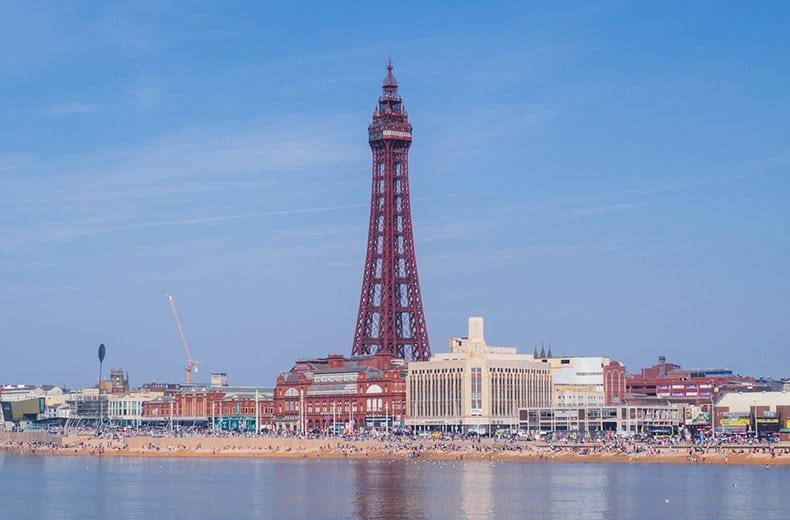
278, 447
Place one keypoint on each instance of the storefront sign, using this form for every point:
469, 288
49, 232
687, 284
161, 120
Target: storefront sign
695, 416
735, 422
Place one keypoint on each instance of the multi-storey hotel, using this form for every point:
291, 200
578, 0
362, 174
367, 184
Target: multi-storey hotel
474, 386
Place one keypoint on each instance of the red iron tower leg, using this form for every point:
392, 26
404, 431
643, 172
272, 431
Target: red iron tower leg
391, 320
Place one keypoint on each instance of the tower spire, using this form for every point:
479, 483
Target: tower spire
390, 84
391, 318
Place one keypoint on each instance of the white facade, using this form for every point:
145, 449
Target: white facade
576, 397
474, 385
577, 380
53, 396
129, 407
579, 371
219, 379
743, 402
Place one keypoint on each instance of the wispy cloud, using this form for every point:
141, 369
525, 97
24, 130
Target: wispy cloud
487, 219
223, 218
187, 178
264, 164
206, 220
455, 228
597, 210
450, 263
194, 158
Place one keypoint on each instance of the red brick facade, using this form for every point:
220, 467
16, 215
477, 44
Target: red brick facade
671, 382
614, 386
353, 393
205, 405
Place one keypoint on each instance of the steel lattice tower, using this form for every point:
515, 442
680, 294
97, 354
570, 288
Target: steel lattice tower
391, 320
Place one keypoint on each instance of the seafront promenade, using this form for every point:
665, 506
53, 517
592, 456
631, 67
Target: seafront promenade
394, 448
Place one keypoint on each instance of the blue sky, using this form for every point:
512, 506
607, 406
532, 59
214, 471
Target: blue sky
608, 177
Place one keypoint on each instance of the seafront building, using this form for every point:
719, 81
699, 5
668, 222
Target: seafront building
213, 407
127, 409
755, 403
53, 395
671, 382
762, 414
474, 386
86, 405
29, 403
159, 405
336, 394
584, 380
757, 413
648, 419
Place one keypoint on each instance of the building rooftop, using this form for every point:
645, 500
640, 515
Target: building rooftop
332, 388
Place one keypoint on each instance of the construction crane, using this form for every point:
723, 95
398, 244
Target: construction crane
192, 365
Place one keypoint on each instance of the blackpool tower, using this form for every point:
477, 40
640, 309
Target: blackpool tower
391, 320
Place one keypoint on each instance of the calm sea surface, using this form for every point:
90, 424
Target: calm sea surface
86, 487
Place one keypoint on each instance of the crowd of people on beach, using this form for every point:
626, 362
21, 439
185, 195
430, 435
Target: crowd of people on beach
380, 445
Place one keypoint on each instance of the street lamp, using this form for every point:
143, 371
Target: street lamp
334, 417
301, 411
257, 414
102, 353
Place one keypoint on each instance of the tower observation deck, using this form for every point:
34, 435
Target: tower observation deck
391, 319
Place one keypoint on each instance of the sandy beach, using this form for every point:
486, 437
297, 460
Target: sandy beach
284, 447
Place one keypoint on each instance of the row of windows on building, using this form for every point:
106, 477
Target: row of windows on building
125, 408
374, 404
434, 371
509, 394
438, 396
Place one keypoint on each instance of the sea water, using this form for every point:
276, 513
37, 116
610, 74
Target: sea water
65, 487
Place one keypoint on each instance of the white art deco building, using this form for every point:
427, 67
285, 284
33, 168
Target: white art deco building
474, 386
